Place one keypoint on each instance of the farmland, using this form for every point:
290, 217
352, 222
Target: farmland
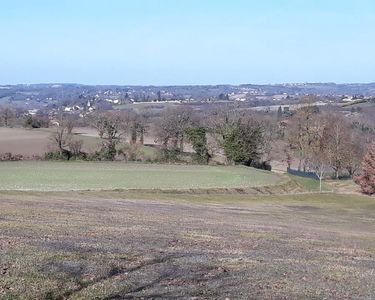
63, 176
83, 230
125, 245
23, 141
29, 142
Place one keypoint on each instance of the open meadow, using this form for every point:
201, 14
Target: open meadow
65, 176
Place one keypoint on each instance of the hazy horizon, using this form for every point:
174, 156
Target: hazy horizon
170, 85
167, 42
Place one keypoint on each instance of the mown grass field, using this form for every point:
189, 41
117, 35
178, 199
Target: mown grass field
65, 176
134, 245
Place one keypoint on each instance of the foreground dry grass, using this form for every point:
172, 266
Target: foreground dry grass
111, 245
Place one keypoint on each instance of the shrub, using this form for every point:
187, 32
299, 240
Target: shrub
10, 157
132, 152
66, 155
57, 155
169, 155
263, 165
36, 122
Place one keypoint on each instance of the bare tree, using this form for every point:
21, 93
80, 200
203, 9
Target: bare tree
75, 146
319, 163
356, 151
138, 128
337, 141
7, 115
302, 133
343, 144
171, 128
61, 138
318, 153
112, 128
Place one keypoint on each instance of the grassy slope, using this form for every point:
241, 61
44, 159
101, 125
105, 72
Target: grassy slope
46, 176
108, 245
308, 184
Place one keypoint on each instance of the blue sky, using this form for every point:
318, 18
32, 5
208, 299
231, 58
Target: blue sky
166, 42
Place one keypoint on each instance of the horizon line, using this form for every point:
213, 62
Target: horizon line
197, 84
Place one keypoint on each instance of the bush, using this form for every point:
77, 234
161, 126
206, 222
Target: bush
36, 122
95, 156
57, 155
10, 157
66, 155
169, 155
263, 165
132, 152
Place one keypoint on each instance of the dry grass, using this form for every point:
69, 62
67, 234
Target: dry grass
113, 245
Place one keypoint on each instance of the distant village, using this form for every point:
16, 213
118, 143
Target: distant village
80, 100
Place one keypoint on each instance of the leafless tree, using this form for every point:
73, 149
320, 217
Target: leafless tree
7, 115
318, 153
112, 128
356, 151
138, 128
75, 146
61, 139
344, 145
302, 133
170, 129
337, 139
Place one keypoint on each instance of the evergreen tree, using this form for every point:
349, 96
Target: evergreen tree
197, 137
279, 113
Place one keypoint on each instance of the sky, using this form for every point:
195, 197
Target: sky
180, 42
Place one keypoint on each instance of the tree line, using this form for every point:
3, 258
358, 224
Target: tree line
324, 141
239, 137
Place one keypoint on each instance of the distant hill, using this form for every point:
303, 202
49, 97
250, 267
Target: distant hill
53, 95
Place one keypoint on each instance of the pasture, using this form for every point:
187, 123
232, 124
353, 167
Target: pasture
65, 176
125, 245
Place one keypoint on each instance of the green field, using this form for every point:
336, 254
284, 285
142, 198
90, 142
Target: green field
62, 176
